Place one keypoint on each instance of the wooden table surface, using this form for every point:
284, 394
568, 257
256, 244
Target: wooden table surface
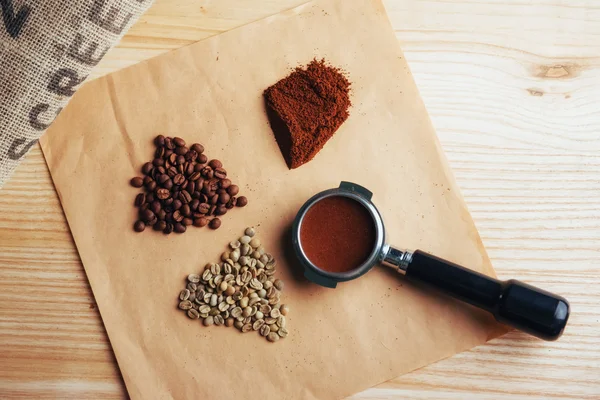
513, 89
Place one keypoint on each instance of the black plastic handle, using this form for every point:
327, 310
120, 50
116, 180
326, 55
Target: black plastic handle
522, 306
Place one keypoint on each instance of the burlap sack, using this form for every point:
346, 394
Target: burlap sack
47, 49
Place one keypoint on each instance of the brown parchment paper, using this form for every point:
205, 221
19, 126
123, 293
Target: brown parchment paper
341, 341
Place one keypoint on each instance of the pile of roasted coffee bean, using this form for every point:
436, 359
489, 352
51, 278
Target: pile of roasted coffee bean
239, 291
182, 188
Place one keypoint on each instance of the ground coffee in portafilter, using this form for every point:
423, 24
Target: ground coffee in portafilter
337, 234
306, 109
182, 188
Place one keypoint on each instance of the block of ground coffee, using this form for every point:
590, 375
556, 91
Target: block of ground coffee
306, 109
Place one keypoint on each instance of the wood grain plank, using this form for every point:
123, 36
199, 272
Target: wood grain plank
513, 89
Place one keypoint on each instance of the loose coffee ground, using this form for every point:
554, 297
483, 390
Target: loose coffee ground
337, 234
306, 109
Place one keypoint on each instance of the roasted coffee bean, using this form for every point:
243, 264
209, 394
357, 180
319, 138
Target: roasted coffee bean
147, 215
179, 228
168, 183
168, 153
231, 203
185, 210
180, 150
201, 222
197, 195
152, 221
168, 228
185, 197
179, 141
172, 159
191, 155
221, 210
242, 201
187, 221
225, 183
212, 210
163, 194
224, 198
137, 182
215, 223
214, 199
194, 204
162, 214
147, 179
158, 162
215, 164
178, 179
195, 176
139, 226
176, 204
150, 197
140, 199
155, 207
172, 171
207, 172
159, 140
190, 187
233, 190
147, 168
180, 160
160, 152
206, 188
161, 179
203, 208
169, 143
198, 148
220, 173
159, 226
189, 168
151, 185
202, 159
177, 216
